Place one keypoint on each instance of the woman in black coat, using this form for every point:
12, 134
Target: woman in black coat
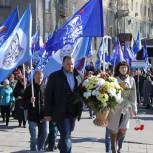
19, 112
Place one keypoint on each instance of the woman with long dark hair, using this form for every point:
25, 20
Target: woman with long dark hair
119, 118
19, 102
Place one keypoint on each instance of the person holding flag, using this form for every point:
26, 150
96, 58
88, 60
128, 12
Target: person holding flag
38, 127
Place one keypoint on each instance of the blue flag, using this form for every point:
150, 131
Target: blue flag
137, 45
35, 44
100, 53
8, 26
37, 47
117, 55
16, 49
41, 64
77, 51
80, 62
86, 22
128, 54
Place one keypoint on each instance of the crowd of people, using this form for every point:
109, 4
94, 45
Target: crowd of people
54, 106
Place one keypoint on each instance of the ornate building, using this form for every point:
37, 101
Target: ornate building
120, 16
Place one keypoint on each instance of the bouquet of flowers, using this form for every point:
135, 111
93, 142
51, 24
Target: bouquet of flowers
102, 93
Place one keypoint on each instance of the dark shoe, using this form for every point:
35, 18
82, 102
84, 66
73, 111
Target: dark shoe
119, 151
49, 149
24, 126
53, 148
7, 124
3, 119
19, 125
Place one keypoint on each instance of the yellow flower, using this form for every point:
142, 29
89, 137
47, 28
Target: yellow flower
112, 79
103, 97
109, 85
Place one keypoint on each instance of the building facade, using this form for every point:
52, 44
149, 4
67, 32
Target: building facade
129, 16
120, 16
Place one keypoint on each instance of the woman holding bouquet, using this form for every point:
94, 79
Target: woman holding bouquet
119, 117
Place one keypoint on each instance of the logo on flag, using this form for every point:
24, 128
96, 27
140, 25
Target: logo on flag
15, 50
68, 50
88, 23
8, 26
73, 30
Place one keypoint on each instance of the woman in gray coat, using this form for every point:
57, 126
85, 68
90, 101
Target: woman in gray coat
119, 118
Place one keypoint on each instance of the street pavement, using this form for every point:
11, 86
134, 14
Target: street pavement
87, 138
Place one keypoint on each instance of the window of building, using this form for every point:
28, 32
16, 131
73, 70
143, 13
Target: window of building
136, 25
145, 10
111, 17
132, 5
141, 27
47, 5
148, 12
136, 7
63, 8
4, 3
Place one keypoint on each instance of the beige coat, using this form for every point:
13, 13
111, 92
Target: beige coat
127, 107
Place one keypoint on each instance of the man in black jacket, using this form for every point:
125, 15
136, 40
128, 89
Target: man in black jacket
62, 103
38, 128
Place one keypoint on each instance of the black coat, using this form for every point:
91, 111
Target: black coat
35, 113
141, 81
60, 101
19, 103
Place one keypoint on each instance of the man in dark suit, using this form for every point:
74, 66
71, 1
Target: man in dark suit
63, 104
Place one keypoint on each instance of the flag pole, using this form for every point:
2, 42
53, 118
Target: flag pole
85, 61
32, 87
24, 77
103, 54
114, 66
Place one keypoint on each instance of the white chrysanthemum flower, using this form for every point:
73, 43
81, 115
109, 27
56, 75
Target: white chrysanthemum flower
119, 98
101, 82
85, 94
89, 93
85, 82
112, 91
94, 92
97, 93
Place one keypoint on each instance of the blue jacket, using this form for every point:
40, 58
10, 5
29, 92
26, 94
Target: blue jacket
7, 96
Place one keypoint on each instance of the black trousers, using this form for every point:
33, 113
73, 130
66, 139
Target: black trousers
5, 113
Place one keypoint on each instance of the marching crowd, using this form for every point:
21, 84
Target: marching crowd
55, 105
